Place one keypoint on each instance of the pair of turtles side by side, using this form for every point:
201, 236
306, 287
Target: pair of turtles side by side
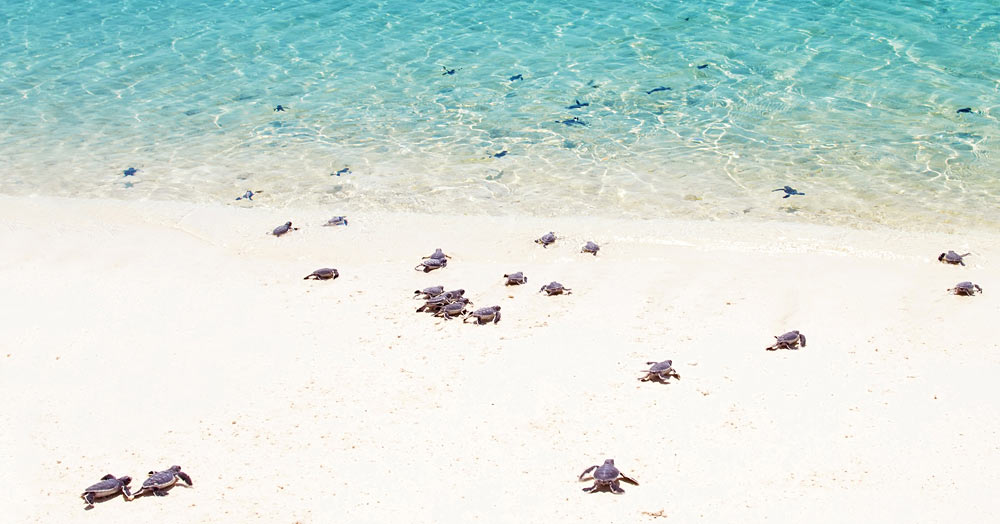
966, 289
159, 481
109, 486
555, 288
323, 273
607, 476
515, 279
484, 315
790, 340
952, 257
283, 228
660, 371
435, 260
436, 302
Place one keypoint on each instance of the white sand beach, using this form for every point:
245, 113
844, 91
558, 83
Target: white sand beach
138, 335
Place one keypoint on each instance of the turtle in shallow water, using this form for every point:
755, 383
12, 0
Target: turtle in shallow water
952, 257
607, 475
660, 371
555, 288
283, 228
546, 239
336, 221
789, 191
430, 264
109, 486
159, 481
484, 315
248, 195
130, 172
966, 288
428, 292
788, 340
323, 273
515, 279
591, 248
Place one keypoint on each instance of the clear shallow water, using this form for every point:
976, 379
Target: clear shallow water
851, 102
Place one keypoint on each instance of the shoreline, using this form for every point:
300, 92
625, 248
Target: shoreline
146, 334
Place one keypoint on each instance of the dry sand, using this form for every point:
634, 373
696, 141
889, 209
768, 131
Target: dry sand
137, 335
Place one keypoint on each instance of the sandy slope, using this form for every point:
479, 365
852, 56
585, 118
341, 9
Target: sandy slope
136, 335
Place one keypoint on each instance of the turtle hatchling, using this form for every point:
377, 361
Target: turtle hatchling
428, 292
591, 248
952, 257
449, 311
515, 279
283, 228
109, 486
336, 221
967, 289
607, 475
438, 255
661, 371
430, 264
555, 288
323, 273
788, 340
159, 481
484, 315
546, 239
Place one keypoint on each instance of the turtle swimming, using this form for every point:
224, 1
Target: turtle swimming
660, 371
428, 292
448, 71
109, 486
248, 195
130, 172
484, 315
344, 171
546, 239
323, 273
283, 228
591, 248
279, 108
575, 121
500, 154
515, 279
702, 66
966, 288
788, 340
577, 104
964, 110
607, 475
789, 191
555, 288
159, 481
516, 77
336, 221
952, 257
657, 90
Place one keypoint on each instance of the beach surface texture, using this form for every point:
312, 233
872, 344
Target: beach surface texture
137, 335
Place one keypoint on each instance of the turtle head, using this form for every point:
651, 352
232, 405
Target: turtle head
609, 462
126, 480
109, 476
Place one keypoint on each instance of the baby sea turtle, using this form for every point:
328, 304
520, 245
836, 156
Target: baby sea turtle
660, 370
607, 475
789, 191
248, 195
109, 486
345, 171
516, 77
952, 257
577, 104
591, 247
964, 110
283, 228
449, 311
437, 255
546, 239
967, 289
336, 221
130, 172
428, 292
515, 279
575, 121
500, 154
323, 273
435, 304
448, 71
702, 66
788, 340
657, 89
431, 264
555, 288
159, 481
484, 315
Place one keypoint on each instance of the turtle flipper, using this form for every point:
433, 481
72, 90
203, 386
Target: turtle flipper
88, 498
185, 477
127, 492
628, 479
616, 487
802, 338
588, 470
160, 492
109, 476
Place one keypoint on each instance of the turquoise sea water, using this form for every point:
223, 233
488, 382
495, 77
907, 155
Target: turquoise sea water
851, 102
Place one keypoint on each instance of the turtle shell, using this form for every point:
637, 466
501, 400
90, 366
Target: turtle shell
107, 487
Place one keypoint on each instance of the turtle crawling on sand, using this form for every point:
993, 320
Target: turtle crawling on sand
430, 264
607, 475
591, 248
323, 273
952, 257
159, 481
555, 288
449, 311
437, 255
546, 239
515, 279
283, 228
660, 371
484, 315
109, 486
967, 289
428, 292
433, 304
788, 340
